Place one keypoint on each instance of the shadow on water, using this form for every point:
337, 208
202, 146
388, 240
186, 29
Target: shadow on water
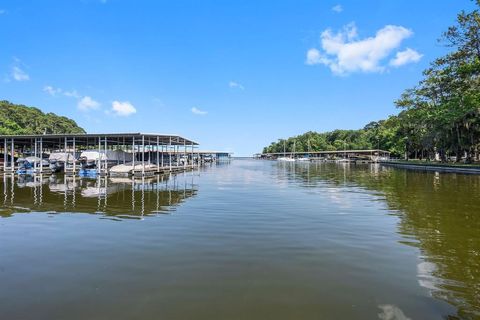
438, 213
111, 197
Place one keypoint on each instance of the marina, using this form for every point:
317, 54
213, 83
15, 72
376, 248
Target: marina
357, 156
240, 160
119, 154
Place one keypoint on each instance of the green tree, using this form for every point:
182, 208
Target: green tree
20, 119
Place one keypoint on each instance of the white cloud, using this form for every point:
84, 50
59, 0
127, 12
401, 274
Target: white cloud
72, 94
198, 111
54, 91
234, 84
123, 109
343, 52
51, 90
338, 8
313, 57
19, 75
87, 103
404, 57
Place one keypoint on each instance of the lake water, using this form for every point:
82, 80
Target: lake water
243, 240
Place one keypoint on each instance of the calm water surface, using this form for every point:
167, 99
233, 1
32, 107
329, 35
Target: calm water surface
245, 240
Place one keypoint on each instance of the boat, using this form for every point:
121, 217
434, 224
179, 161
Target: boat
208, 159
90, 160
57, 161
286, 159
27, 165
127, 169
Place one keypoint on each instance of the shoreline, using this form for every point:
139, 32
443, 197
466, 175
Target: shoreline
449, 168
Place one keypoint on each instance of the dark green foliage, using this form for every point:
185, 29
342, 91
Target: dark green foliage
442, 113
20, 119
382, 135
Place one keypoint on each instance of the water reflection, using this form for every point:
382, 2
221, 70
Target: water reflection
391, 312
119, 197
438, 213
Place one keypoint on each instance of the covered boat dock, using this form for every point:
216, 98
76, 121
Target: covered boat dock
146, 152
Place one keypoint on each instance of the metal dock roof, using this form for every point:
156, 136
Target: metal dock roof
127, 138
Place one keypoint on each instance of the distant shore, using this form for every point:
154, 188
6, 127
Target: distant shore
434, 166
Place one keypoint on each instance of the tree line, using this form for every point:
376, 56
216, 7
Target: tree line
20, 119
439, 118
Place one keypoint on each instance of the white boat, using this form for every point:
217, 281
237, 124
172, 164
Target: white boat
58, 160
90, 158
127, 169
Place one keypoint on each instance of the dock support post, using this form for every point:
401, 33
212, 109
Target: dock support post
158, 153
99, 165
41, 155
170, 154
5, 155
74, 159
143, 156
124, 149
118, 150
133, 155
149, 151
105, 162
184, 155
162, 155
12, 157
34, 154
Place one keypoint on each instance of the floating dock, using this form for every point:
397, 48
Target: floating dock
144, 153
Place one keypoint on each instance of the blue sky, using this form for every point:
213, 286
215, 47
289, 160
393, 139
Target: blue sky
232, 75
